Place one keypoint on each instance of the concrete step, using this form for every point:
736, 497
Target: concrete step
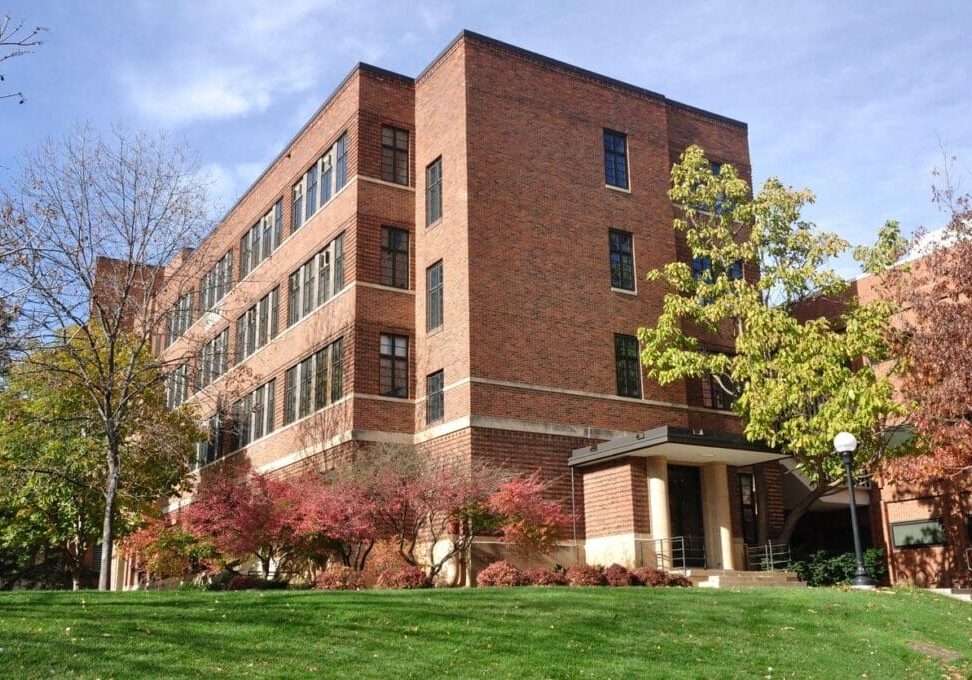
709, 578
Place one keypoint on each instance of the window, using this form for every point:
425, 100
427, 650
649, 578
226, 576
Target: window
628, 367
253, 415
216, 283
434, 406
747, 503
177, 387
257, 326
320, 183
316, 281
212, 359
212, 448
433, 192
315, 382
615, 159
433, 296
393, 366
702, 270
394, 257
261, 240
918, 534
713, 394
622, 260
394, 155
180, 318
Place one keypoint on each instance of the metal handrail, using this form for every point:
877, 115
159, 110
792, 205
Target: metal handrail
678, 553
769, 556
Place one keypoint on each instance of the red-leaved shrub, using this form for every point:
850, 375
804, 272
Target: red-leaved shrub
403, 578
647, 576
544, 577
586, 575
339, 578
618, 575
500, 574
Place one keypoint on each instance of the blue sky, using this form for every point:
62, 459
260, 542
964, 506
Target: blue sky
850, 99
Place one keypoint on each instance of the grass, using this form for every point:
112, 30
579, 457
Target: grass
526, 632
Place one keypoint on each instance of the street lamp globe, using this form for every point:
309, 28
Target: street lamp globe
845, 442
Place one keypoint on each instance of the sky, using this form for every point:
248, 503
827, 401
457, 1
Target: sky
855, 100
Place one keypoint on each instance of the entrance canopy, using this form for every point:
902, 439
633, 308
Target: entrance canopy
678, 445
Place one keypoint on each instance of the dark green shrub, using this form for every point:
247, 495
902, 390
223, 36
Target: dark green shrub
826, 569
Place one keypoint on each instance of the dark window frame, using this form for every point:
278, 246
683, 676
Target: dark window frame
910, 546
394, 156
616, 159
627, 366
749, 520
434, 396
434, 296
391, 366
433, 192
394, 257
622, 261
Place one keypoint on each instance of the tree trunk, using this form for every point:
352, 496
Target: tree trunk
265, 565
801, 509
108, 525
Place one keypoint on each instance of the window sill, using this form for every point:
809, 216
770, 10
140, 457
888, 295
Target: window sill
620, 190
434, 331
624, 290
434, 224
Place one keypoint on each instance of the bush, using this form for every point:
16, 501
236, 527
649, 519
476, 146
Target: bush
618, 575
586, 575
500, 574
544, 577
247, 582
826, 569
339, 578
656, 578
403, 578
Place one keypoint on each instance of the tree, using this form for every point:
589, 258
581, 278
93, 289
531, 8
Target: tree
167, 549
99, 218
524, 518
342, 513
737, 317
16, 41
52, 480
936, 292
256, 517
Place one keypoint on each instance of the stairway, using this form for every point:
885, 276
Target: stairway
717, 578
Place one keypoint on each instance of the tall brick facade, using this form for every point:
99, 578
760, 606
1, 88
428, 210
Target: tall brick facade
527, 341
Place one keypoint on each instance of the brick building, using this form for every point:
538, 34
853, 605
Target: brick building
456, 261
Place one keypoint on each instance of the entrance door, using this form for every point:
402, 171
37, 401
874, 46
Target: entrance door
685, 511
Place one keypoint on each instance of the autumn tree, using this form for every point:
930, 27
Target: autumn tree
524, 518
737, 316
52, 478
936, 293
99, 217
250, 518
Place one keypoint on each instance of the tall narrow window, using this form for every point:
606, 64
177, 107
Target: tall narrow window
310, 199
394, 257
337, 369
306, 386
433, 192
297, 208
293, 298
434, 406
394, 155
290, 395
321, 365
622, 260
393, 366
747, 503
615, 159
628, 369
338, 263
433, 296
341, 162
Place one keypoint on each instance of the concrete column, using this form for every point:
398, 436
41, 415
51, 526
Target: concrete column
661, 527
717, 516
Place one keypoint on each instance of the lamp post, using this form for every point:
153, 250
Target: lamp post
845, 444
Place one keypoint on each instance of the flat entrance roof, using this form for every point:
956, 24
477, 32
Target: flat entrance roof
678, 445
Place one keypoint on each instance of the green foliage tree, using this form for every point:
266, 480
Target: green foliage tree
53, 478
740, 316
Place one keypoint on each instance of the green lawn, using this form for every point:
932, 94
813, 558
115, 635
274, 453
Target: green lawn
526, 632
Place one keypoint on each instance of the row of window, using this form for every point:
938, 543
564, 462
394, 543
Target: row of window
257, 326
216, 283
261, 240
177, 387
316, 281
320, 183
314, 383
213, 360
253, 415
181, 318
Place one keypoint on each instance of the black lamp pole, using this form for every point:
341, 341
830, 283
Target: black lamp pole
861, 579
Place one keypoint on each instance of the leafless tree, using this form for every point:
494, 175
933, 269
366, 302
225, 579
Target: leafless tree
16, 41
103, 224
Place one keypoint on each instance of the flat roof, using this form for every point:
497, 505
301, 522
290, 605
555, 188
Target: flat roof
679, 444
